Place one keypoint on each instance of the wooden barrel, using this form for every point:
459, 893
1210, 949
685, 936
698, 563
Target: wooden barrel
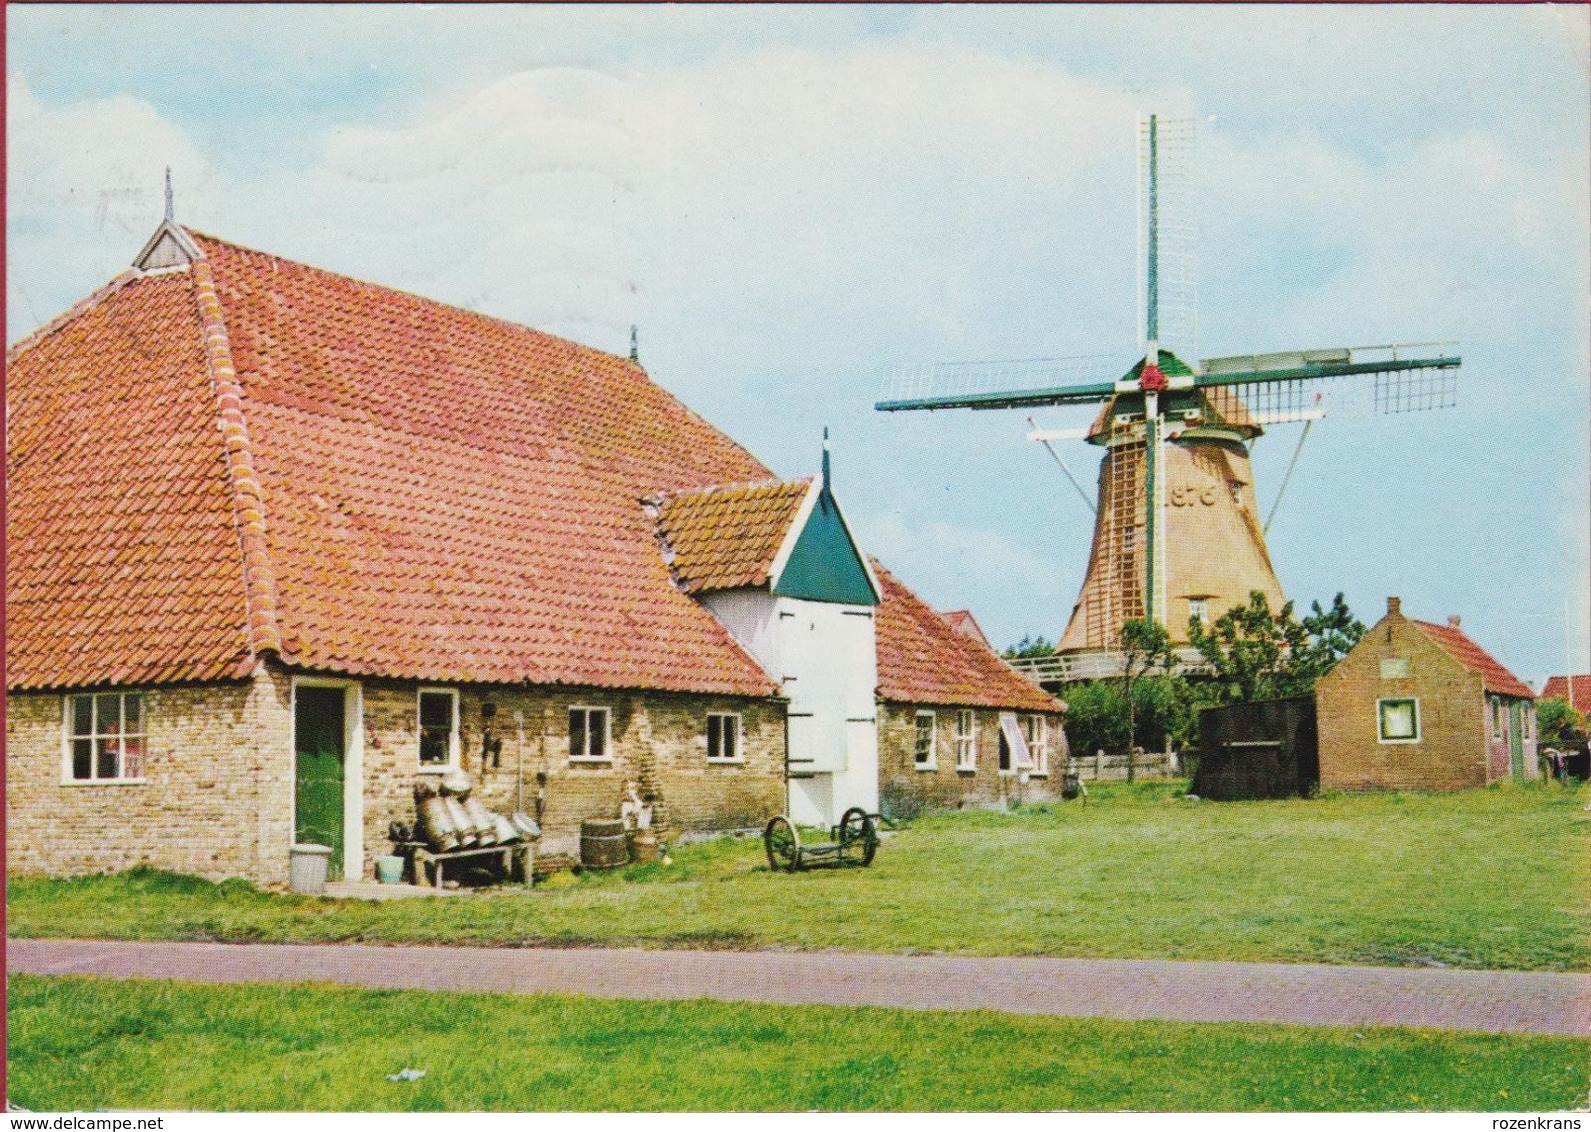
602, 844
643, 847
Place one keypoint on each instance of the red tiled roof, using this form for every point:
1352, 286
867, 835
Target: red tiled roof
445, 496
249, 455
1494, 677
923, 659
722, 537
1575, 689
122, 559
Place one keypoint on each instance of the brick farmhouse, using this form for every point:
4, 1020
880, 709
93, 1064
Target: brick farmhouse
1420, 706
281, 543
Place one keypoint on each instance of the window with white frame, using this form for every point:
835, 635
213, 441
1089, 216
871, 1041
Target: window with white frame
723, 737
1036, 730
1199, 610
923, 751
966, 740
589, 734
439, 728
105, 737
1399, 720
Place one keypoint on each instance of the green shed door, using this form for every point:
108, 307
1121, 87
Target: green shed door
318, 758
1516, 737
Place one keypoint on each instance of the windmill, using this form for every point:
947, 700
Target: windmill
1177, 532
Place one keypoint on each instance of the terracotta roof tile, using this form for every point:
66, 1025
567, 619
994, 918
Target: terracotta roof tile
724, 537
373, 483
1574, 689
122, 558
923, 659
1495, 678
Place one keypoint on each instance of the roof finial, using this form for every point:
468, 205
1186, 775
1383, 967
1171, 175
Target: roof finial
171, 210
825, 457
635, 344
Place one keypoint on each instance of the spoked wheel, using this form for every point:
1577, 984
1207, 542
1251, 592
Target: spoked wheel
858, 832
783, 844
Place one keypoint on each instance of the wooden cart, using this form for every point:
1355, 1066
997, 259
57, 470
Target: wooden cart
853, 842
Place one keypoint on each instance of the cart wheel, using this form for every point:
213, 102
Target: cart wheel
783, 844
858, 831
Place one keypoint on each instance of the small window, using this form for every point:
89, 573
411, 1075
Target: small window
1394, 667
588, 734
439, 718
1497, 718
1005, 751
923, 749
966, 740
1199, 610
723, 738
1400, 720
1036, 730
105, 736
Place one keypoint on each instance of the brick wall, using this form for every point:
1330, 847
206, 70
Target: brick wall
217, 799
946, 786
1452, 751
214, 801
658, 741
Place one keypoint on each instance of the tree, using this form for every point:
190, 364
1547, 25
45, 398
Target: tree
1559, 726
1260, 655
1145, 646
1028, 648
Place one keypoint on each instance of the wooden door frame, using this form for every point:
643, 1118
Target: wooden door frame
353, 768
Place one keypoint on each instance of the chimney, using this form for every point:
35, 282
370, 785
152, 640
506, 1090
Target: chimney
1395, 605
1453, 621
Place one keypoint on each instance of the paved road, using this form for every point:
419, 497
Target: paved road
1497, 1001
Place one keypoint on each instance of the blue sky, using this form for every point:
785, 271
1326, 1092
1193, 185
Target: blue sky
787, 200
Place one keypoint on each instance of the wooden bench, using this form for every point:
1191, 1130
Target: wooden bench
420, 856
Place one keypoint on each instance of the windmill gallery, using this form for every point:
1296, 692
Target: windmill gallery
537, 559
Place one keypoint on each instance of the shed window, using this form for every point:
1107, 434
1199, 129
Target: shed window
1036, 730
966, 740
439, 719
923, 747
105, 737
1399, 720
723, 738
1497, 717
589, 734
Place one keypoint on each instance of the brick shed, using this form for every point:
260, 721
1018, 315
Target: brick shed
1420, 706
282, 544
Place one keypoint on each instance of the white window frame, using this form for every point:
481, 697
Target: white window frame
740, 737
454, 746
1380, 718
933, 740
607, 733
1038, 738
95, 735
1199, 607
966, 739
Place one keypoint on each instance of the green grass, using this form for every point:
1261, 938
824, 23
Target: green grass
1496, 878
84, 1043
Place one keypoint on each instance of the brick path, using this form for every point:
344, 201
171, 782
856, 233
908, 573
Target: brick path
1497, 1001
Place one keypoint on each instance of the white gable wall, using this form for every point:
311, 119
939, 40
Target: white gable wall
825, 657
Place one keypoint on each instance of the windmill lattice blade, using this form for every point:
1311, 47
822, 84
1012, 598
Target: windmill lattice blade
1379, 379
1177, 224
998, 384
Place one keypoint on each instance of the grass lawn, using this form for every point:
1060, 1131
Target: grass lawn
83, 1043
1498, 878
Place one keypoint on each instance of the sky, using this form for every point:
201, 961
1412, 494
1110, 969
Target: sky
787, 201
